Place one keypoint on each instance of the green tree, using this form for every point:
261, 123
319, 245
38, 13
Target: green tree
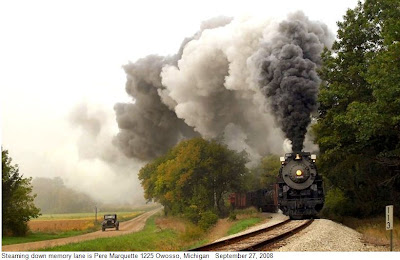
18, 206
358, 125
264, 174
270, 165
193, 178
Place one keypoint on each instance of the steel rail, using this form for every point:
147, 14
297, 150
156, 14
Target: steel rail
268, 242
236, 239
255, 246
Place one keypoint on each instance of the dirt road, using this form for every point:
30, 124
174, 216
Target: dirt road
126, 227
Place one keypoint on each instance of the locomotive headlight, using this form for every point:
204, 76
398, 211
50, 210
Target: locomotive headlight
299, 173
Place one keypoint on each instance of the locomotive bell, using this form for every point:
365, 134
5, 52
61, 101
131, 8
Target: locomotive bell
282, 159
313, 157
297, 157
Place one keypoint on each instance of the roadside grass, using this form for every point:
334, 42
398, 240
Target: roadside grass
243, 224
374, 230
53, 226
40, 236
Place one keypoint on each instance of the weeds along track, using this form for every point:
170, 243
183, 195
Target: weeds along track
259, 239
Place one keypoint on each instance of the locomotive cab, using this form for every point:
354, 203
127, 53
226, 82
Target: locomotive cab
299, 186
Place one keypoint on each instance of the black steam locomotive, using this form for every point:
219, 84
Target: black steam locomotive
299, 189
298, 192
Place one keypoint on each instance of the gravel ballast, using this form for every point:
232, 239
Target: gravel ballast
326, 235
321, 236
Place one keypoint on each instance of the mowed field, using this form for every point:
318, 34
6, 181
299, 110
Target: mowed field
73, 221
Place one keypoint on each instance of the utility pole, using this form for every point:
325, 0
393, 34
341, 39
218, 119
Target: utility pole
215, 194
95, 214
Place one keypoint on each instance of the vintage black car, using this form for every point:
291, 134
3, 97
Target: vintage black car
110, 221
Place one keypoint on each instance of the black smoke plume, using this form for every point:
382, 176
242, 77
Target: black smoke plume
287, 65
149, 125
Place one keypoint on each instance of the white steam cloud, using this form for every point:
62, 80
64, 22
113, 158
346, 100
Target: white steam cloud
112, 175
219, 85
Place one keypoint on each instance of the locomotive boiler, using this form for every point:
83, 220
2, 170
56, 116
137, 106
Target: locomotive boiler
299, 188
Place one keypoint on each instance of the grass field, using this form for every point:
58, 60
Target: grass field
53, 226
72, 222
159, 234
150, 239
374, 231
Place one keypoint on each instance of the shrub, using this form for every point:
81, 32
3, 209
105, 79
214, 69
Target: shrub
192, 233
192, 213
207, 219
336, 204
232, 216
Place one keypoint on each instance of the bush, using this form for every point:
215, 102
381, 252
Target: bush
16, 228
232, 216
207, 219
336, 204
192, 233
192, 213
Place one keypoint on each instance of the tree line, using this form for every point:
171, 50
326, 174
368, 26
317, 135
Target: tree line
52, 196
358, 127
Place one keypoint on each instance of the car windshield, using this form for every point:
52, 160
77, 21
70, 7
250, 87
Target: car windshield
109, 217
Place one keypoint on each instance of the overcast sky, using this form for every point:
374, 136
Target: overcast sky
57, 54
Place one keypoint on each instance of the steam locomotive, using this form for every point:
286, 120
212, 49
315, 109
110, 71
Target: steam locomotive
298, 191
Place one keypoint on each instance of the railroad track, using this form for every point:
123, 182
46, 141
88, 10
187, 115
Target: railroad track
259, 239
